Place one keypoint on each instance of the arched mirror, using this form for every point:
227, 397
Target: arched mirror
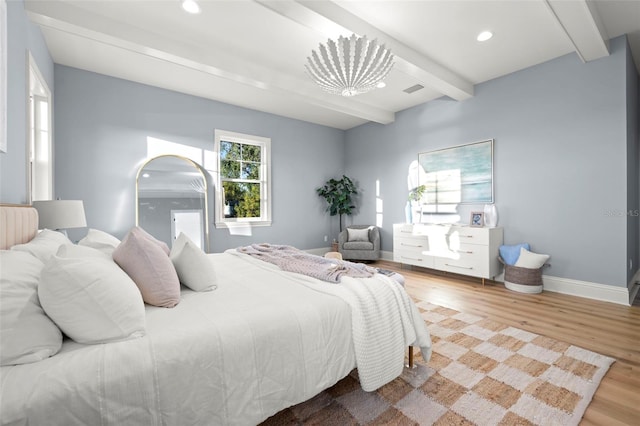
171, 197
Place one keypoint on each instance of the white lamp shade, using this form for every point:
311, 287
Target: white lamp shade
60, 214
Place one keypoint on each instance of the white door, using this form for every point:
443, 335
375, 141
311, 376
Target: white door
190, 223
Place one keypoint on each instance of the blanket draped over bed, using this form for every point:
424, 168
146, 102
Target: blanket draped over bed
292, 259
384, 320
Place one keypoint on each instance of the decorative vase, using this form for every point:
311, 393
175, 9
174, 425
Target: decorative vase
416, 213
490, 215
407, 212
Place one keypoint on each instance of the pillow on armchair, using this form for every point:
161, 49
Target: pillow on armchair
354, 234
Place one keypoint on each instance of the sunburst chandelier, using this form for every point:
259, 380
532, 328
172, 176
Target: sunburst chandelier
349, 66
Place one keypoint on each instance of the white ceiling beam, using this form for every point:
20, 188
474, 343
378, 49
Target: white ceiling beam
218, 63
583, 26
423, 69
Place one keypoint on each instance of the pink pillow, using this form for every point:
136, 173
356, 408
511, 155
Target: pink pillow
143, 258
142, 233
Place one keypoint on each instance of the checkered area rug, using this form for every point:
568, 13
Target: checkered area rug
481, 373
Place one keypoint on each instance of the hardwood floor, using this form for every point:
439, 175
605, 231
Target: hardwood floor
602, 327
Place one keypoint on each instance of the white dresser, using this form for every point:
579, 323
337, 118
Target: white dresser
453, 248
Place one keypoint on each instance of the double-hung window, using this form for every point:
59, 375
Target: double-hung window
40, 155
243, 190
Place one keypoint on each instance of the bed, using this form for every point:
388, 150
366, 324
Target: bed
263, 340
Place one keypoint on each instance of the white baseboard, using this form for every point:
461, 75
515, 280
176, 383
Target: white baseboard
602, 292
605, 293
589, 290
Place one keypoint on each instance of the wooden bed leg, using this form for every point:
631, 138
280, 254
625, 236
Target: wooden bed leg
411, 364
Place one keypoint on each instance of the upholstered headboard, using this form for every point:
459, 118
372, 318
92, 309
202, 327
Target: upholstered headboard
18, 224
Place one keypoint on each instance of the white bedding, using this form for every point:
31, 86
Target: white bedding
283, 343
291, 339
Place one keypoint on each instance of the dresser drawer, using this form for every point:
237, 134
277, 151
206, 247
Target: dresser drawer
403, 230
412, 250
412, 258
469, 259
475, 270
410, 243
468, 235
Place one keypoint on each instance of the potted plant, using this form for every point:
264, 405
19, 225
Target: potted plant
415, 195
337, 193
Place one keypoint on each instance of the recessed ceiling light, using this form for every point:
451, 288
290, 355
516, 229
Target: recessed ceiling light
381, 85
484, 36
191, 6
145, 175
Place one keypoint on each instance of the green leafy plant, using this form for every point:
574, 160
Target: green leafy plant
337, 193
416, 193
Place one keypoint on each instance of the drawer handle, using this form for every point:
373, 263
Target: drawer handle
458, 266
410, 245
467, 236
411, 258
407, 232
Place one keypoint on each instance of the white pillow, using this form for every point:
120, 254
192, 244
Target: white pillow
44, 245
26, 332
82, 252
194, 267
358, 234
91, 299
531, 260
100, 240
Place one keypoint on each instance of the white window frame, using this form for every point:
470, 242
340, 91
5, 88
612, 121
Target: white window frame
40, 146
265, 180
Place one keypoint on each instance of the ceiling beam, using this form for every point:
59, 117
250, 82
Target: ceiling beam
328, 18
218, 63
583, 26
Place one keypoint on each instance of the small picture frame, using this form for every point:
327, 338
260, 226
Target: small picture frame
477, 219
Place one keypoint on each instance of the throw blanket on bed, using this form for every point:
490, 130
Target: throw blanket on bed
291, 259
384, 321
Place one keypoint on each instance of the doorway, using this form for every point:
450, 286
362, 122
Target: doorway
188, 222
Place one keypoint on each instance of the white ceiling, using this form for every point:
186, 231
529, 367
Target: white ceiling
252, 53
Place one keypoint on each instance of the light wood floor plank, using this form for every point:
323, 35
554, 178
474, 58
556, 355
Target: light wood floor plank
606, 328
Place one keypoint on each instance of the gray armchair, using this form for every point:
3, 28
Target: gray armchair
364, 243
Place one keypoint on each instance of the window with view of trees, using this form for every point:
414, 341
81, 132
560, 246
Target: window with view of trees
243, 179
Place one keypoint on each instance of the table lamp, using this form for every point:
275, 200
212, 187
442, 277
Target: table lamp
60, 215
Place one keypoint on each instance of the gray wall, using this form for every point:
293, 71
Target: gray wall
560, 160
102, 125
22, 37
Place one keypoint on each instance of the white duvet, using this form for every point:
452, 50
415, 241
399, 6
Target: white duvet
384, 321
237, 355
